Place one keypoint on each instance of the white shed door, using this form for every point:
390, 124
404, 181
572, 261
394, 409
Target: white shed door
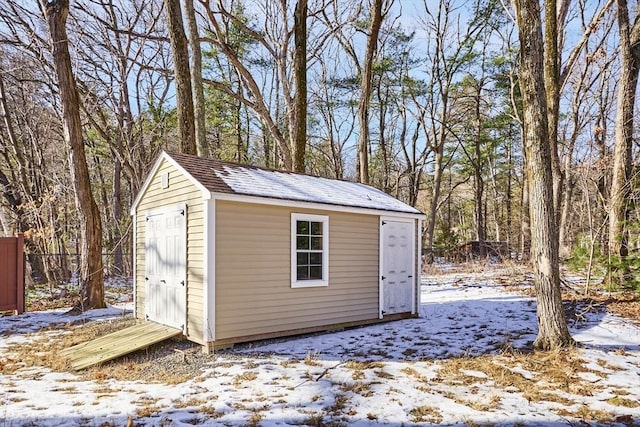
165, 266
397, 267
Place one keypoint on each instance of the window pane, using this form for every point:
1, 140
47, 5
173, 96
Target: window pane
316, 228
315, 273
316, 243
303, 258
302, 227
315, 258
302, 242
303, 273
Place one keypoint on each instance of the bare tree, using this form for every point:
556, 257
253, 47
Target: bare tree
620, 185
450, 52
200, 129
556, 77
552, 324
31, 162
588, 84
126, 92
552, 85
273, 41
337, 116
184, 98
91, 275
299, 122
378, 10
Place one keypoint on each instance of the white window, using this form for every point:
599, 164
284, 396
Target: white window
309, 250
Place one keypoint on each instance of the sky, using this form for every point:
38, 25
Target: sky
419, 371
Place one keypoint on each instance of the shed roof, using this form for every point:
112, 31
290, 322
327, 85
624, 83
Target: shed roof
232, 178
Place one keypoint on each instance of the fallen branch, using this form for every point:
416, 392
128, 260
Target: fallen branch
327, 370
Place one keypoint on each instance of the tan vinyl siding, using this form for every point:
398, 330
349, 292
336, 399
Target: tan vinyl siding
253, 276
181, 190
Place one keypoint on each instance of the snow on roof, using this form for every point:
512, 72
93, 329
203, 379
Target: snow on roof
232, 178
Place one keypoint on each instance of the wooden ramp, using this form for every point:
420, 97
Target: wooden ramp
116, 344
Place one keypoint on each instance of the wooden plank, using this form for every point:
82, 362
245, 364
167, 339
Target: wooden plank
124, 338
117, 344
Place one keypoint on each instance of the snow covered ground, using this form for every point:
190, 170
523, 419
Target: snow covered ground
463, 362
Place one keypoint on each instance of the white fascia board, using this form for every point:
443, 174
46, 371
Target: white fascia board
313, 205
206, 194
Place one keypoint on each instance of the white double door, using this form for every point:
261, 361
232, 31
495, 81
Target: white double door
398, 260
165, 266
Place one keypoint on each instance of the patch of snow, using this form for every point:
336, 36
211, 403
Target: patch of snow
386, 374
307, 188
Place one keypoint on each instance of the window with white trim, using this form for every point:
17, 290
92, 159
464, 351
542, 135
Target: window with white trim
309, 250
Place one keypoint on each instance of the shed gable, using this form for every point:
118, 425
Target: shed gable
154, 197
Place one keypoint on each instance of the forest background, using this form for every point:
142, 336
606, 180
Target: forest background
420, 99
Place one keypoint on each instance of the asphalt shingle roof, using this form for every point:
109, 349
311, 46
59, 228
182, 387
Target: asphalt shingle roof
231, 178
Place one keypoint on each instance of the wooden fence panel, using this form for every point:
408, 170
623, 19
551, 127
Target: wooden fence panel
12, 274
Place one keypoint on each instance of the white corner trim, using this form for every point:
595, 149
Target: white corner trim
134, 254
209, 271
380, 269
419, 269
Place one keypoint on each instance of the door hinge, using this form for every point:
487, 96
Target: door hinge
384, 277
384, 222
182, 212
146, 278
182, 282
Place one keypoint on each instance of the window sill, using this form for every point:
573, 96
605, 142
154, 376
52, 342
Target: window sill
310, 284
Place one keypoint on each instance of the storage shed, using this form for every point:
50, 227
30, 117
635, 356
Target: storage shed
230, 253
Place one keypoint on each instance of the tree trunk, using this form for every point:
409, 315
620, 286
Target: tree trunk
90, 245
118, 259
184, 99
618, 205
200, 129
509, 219
566, 210
477, 171
525, 218
552, 86
365, 91
552, 324
299, 125
430, 225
